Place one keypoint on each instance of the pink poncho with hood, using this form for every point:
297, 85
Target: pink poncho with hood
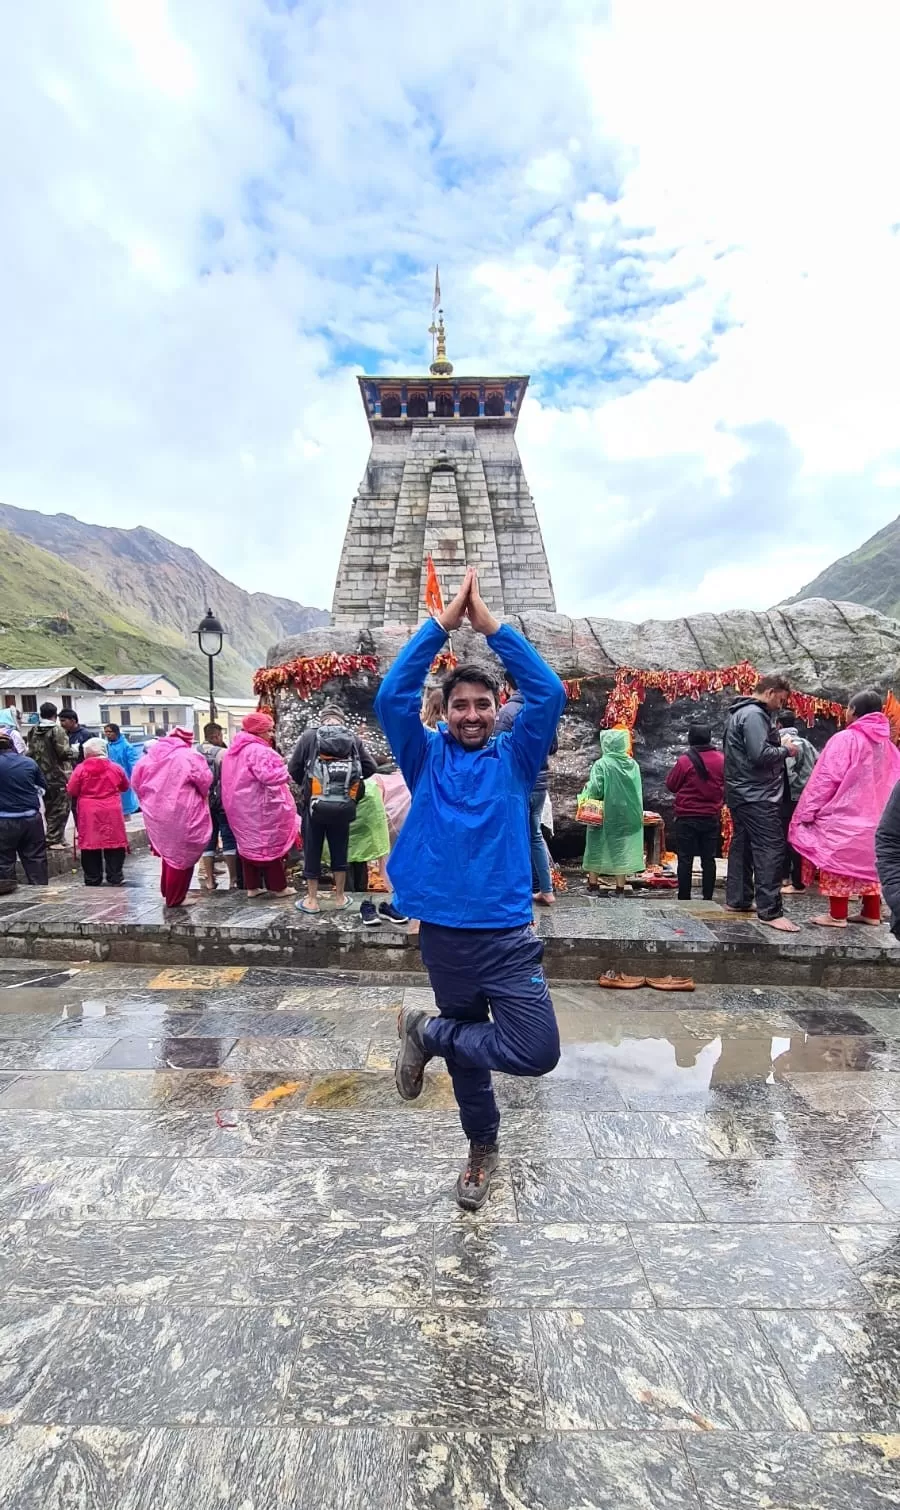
172, 782
842, 803
256, 794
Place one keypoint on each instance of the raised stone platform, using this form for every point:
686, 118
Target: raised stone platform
584, 936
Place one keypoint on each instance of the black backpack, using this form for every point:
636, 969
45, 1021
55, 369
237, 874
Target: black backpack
334, 778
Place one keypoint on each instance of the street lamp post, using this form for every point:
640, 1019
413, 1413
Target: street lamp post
209, 638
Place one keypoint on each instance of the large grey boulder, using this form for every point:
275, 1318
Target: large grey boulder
825, 648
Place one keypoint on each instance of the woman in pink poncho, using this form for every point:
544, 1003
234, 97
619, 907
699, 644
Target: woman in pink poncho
261, 812
172, 782
834, 825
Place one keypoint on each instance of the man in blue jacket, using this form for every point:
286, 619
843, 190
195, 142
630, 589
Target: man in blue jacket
462, 864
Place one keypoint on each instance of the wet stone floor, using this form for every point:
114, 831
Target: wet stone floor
232, 1273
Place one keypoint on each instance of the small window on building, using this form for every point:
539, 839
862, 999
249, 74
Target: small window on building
443, 403
494, 404
390, 406
124, 718
29, 703
66, 700
104, 714
151, 715
468, 405
417, 406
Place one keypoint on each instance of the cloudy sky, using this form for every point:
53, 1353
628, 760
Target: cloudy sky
682, 219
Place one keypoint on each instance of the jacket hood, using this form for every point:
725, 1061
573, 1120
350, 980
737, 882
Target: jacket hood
242, 739
872, 726
744, 702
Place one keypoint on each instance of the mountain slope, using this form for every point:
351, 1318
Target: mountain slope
869, 575
164, 584
52, 614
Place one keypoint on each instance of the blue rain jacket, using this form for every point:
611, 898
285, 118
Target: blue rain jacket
127, 756
463, 856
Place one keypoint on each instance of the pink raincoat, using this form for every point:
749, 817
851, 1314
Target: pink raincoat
396, 797
172, 782
842, 803
257, 799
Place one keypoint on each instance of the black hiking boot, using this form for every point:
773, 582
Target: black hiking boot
474, 1184
409, 1070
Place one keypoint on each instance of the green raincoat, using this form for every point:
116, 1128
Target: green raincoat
617, 848
369, 837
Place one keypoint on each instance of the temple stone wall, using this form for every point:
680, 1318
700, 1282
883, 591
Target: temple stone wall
455, 490
828, 649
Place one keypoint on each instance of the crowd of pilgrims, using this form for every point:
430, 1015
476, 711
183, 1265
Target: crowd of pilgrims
800, 818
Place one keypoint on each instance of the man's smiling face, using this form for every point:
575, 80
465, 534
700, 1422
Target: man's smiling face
471, 713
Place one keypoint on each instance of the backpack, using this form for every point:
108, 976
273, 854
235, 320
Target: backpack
211, 754
334, 779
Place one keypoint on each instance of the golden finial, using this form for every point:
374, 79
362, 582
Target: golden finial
440, 367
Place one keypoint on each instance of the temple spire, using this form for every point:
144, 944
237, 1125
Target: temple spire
440, 367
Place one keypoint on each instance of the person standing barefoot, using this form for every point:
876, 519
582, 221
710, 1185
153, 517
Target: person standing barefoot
462, 864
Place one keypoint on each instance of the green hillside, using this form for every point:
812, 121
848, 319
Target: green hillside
52, 614
869, 575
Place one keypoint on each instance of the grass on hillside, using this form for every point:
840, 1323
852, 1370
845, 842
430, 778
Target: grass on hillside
53, 614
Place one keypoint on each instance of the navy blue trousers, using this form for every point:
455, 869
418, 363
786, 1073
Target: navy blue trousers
496, 1014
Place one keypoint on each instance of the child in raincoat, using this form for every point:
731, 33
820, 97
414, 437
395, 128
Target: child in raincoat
617, 847
840, 808
126, 755
260, 809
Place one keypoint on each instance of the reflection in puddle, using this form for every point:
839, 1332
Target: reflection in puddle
689, 1064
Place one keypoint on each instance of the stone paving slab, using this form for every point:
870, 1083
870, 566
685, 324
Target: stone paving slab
241, 1287
583, 935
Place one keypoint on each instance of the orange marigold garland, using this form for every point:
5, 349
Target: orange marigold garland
309, 673
727, 827
445, 661
632, 685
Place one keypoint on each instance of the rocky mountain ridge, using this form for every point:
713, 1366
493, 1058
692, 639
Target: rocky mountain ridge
869, 575
161, 583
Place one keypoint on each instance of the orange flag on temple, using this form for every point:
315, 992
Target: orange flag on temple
433, 599
892, 710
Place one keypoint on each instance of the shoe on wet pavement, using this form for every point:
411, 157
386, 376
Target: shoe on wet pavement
409, 1070
393, 914
369, 914
670, 982
614, 980
474, 1184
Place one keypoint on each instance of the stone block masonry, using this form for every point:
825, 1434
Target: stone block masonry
456, 490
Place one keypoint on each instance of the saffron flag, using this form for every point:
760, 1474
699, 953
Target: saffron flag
434, 602
437, 288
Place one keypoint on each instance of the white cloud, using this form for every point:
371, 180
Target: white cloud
678, 218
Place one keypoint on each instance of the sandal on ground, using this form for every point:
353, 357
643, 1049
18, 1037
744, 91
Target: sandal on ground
339, 906
670, 982
311, 912
614, 980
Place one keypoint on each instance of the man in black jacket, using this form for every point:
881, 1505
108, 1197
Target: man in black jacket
337, 830
754, 790
887, 857
75, 732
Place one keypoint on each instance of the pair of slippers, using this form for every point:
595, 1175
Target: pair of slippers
614, 980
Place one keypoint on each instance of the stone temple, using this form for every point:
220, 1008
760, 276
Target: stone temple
444, 478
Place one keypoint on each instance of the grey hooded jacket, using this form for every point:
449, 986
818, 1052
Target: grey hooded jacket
754, 756
799, 768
